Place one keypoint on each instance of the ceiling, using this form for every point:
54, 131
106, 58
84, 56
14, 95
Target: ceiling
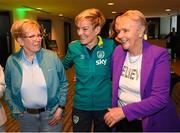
70, 8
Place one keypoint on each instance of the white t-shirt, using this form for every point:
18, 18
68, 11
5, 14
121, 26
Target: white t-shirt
3, 117
129, 83
33, 88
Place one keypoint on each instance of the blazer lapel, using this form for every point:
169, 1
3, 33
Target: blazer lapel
147, 62
118, 62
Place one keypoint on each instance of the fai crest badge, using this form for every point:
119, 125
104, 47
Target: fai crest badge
100, 54
75, 119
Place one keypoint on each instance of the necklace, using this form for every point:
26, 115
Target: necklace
134, 59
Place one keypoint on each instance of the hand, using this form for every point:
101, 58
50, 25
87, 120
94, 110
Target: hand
113, 116
56, 117
21, 114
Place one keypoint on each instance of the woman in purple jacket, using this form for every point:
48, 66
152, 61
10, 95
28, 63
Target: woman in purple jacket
141, 80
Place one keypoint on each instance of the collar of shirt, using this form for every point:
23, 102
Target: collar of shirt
27, 61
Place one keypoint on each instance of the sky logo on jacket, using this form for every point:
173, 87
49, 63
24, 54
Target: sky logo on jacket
100, 56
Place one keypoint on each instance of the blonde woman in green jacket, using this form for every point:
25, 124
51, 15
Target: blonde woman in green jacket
91, 57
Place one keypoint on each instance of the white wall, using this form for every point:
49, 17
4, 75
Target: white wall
174, 22
164, 25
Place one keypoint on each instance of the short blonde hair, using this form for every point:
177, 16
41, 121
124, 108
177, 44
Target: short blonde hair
93, 15
21, 27
136, 16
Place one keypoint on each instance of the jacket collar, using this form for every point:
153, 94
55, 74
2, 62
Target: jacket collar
38, 54
145, 67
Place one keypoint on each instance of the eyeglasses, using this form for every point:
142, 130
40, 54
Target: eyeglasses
34, 36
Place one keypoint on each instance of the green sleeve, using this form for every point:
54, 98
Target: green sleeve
63, 84
68, 60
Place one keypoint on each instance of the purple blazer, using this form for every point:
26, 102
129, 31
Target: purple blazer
156, 108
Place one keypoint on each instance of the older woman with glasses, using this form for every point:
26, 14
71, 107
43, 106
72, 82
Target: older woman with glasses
36, 82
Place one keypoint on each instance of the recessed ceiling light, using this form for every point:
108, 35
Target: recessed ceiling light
60, 15
168, 10
39, 8
114, 12
110, 4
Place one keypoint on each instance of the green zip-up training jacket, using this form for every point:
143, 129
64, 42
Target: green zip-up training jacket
93, 76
